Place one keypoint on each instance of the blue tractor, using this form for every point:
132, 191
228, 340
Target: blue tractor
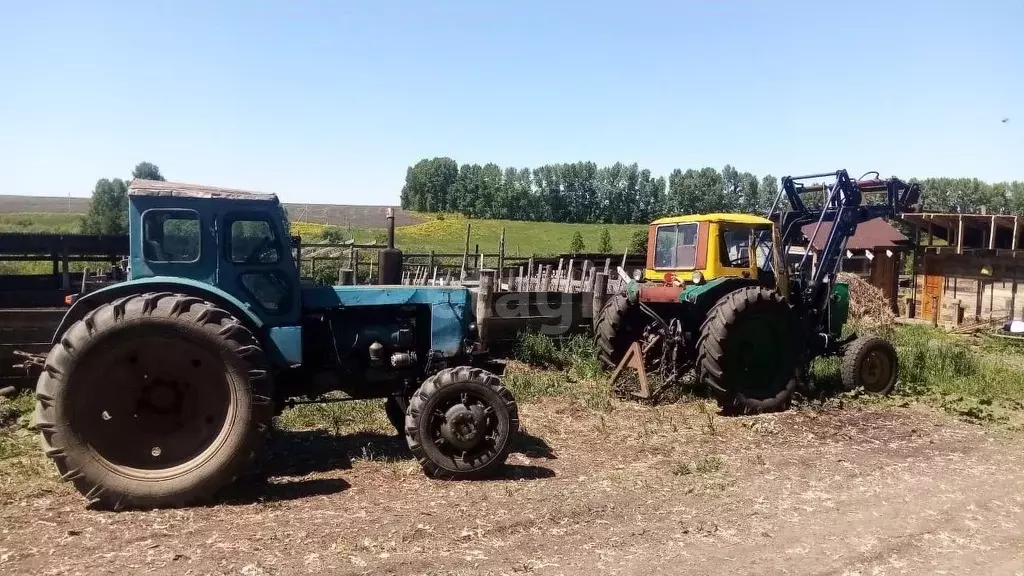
162, 389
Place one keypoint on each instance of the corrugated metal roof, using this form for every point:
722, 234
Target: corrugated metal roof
875, 233
139, 187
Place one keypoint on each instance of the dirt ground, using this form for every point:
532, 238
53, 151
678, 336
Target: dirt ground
638, 490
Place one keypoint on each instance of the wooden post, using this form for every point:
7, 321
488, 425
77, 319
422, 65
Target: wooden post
607, 265
960, 235
954, 287
1013, 294
991, 297
584, 279
958, 313
1009, 309
430, 262
483, 304
465, 254
558, 275
519, 281
935, 311
529, 275
355, 267
65, 272
568, 275
979, 295
313, 273
600, 294
992, 233
501, 257
373, 258
1013, 243
547, 278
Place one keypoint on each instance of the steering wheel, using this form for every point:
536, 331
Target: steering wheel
254, 256
740, 260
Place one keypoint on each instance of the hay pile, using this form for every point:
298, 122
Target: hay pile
869, 308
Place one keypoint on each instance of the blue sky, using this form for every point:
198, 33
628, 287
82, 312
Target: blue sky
331, 101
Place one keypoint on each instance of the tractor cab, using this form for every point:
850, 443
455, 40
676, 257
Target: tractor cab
699, 248
234, 240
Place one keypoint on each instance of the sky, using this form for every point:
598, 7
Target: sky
331, 101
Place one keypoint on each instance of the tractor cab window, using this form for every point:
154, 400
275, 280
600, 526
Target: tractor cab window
734, 246
253, 242
170, 235
675, 246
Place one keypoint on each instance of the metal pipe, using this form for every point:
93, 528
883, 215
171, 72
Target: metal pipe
391, 228
821, 218
822, 175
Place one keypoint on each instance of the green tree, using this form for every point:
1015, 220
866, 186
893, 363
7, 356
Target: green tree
108, 211
604, 245
576, 246
638, 242
333, 234
147, 171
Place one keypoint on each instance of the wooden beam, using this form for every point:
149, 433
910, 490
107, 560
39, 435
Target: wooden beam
960, 236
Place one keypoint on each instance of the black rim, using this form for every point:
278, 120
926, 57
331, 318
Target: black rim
464, 429
150, 402
876, 370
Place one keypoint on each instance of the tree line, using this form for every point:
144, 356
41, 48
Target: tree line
583, 192
579, 191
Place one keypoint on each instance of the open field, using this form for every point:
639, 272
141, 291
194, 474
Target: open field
921, 483
346, 215
414, 232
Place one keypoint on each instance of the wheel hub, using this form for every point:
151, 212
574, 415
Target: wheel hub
463, 426
162, 397
874, 370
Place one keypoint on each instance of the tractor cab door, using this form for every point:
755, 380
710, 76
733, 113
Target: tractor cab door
256, 265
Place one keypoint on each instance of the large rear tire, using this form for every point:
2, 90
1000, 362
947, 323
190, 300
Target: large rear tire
154, 400
750, 352
620, 324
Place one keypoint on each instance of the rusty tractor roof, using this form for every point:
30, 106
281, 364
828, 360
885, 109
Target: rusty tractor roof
140, 187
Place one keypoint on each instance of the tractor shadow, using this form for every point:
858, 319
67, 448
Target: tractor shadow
293, 453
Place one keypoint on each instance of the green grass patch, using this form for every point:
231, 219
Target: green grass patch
447, 234
565, 367
339, 417
34, 222
981, 381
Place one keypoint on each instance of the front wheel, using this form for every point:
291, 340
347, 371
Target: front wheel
870, 363
461, 423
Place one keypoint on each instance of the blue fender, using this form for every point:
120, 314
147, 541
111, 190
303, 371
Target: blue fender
283, 343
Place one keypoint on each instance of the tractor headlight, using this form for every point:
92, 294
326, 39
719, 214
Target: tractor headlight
697, 278
638, 274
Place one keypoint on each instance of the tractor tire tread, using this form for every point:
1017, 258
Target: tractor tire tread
852, 357
431, 386
711, 351
70, 454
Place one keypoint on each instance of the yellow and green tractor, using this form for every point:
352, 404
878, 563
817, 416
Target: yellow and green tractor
720, 298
